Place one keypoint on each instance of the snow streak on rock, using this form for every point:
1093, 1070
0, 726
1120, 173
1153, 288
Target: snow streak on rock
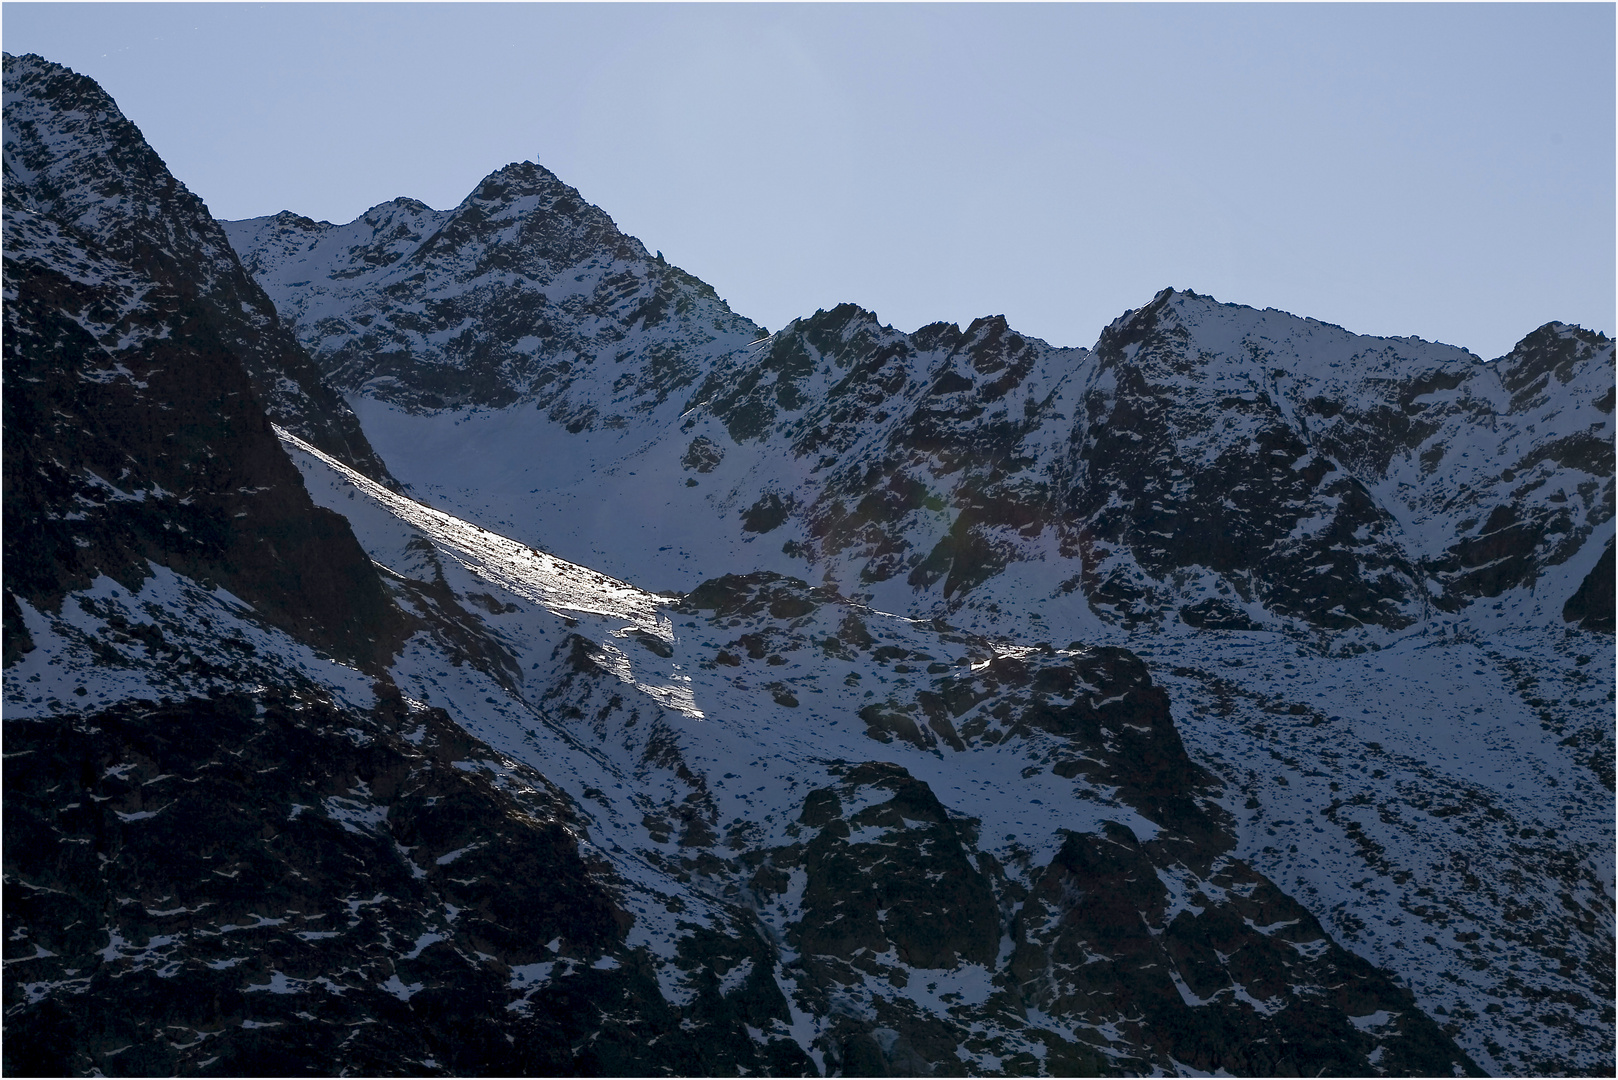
540, 579
532, 574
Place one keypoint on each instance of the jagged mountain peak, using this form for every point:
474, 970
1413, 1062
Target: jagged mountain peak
987, 325
1137, 322
1208, 329
524, 291
937, 335
292, 219
1415, 452
390, 208
522, 178
1556, 351
849, 322
552, 221
841, 323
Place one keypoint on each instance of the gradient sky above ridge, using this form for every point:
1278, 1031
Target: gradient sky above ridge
1445, 171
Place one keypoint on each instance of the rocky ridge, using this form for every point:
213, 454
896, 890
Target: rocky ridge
524, 292
1205, 462
133, 436
73, 158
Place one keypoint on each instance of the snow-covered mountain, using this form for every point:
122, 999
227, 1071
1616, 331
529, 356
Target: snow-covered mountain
1205, 462
1234, 695
960, 854
1268, 509
201, 733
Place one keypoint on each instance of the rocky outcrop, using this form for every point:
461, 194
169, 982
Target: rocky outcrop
1241, 978
73, 158
892, 876
1591, 606
1109, 952
925, 448
133, 436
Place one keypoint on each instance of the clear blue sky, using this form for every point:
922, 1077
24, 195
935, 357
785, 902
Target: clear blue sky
1440, 170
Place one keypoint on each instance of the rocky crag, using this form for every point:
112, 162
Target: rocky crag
74, 160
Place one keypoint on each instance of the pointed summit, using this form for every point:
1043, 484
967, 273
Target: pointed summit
523, 291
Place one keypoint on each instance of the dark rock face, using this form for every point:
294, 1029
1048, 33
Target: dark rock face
1560, 482
1592, 605
1213, 614
73, 158
1232, 501
1201, 985
235, 881
1285, 460
923, 451
892, 876
133, 431
257, 862
1174, 949
132, 434
286, 894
